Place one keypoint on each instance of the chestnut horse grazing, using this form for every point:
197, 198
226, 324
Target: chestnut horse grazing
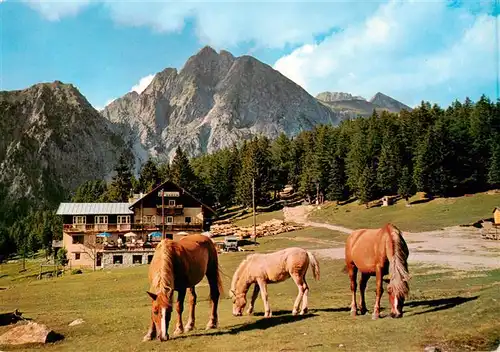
261, 269
179, 266
378, 252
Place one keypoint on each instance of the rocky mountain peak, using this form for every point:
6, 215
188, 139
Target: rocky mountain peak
336, 96
386, 102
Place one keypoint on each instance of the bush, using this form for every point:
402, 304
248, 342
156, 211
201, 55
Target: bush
76, 271
62, 258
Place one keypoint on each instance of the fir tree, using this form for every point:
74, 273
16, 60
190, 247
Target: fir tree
121, 185
149, 176
337, 187
494, 168
366, 185
182, 173
406, 187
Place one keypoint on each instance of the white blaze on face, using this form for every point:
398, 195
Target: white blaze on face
163, 323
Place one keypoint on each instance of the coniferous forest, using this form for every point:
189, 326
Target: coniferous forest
442, 152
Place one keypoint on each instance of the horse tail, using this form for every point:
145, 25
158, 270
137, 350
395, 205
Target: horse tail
214, 258
315, 265
397, 253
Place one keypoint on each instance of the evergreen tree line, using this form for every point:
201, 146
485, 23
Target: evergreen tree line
441, 152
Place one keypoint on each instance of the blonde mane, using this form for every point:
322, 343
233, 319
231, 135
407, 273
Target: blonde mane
167, 267
398, 265
240, 271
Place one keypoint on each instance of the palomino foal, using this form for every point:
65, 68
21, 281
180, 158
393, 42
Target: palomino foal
378, 252
261, 269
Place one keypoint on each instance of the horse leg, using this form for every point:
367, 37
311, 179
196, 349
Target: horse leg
265, 298
380, 290
353, 272
179, 329
255, 294
362, 288
192, 305
214, 298
305, 288
300, 285
151, 332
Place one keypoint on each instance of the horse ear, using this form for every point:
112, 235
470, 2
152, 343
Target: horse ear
152, 295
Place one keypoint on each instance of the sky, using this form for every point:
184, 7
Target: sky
413, 50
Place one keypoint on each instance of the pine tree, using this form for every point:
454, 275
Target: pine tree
406, 187
337, 182
389, 164
149, 176
281, 162
494, 168
366, 185
182, 173
121, 185
92, 191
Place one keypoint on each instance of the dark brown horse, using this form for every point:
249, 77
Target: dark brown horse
378, 252
179, 266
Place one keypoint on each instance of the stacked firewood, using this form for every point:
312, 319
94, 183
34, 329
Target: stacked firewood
268, 228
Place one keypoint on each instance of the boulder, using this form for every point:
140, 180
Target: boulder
77, 322
29, 333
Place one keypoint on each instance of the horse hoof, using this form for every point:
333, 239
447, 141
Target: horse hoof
146, 338
188, 328
304, 311
250, 312
211, 326
354, 313
375, 316
178, 332
363, 311
294, 312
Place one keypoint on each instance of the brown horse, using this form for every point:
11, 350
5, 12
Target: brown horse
378, 252
261, 269
179, 266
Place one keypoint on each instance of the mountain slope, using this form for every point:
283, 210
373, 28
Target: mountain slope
52, 141
355, 105
386, 102
215, 100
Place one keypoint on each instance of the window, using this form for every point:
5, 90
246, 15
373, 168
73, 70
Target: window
147, 219
150, 259
124, 219
77, 256
78, 239
118, 259
79, 219
187, 219
171, 202
170, 219
101, 219
137, 259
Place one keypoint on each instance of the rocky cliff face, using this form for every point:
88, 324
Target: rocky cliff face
52, 140
354, 106
215, 100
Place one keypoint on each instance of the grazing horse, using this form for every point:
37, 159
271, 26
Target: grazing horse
378, 252
179, 266
261, 269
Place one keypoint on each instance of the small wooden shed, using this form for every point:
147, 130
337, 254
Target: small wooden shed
496, 215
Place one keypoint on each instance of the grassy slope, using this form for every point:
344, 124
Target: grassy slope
116, 310
436, 214
247, 220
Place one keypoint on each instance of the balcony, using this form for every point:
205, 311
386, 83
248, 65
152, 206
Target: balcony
171, 210
196, 225
77, 228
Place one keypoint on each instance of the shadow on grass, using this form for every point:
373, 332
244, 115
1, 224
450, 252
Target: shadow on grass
261, 324
439, 304
312, 311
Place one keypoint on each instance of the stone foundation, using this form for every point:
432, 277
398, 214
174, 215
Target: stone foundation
126, 258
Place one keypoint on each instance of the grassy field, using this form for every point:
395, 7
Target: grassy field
261, 217
448, 309
432, 215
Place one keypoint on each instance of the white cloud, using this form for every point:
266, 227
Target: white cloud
54, 10
404, 49
143, 84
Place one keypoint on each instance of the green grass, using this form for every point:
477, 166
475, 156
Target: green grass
433, 215
247, 220
444, 309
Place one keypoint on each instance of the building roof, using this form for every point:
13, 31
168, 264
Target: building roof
94, 209
177, 186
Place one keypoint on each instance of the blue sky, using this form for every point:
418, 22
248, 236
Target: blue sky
412, 50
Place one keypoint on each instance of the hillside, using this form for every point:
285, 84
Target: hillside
52, 141
215, 100
345, 103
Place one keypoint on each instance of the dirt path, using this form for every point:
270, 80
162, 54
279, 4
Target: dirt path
457, 247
